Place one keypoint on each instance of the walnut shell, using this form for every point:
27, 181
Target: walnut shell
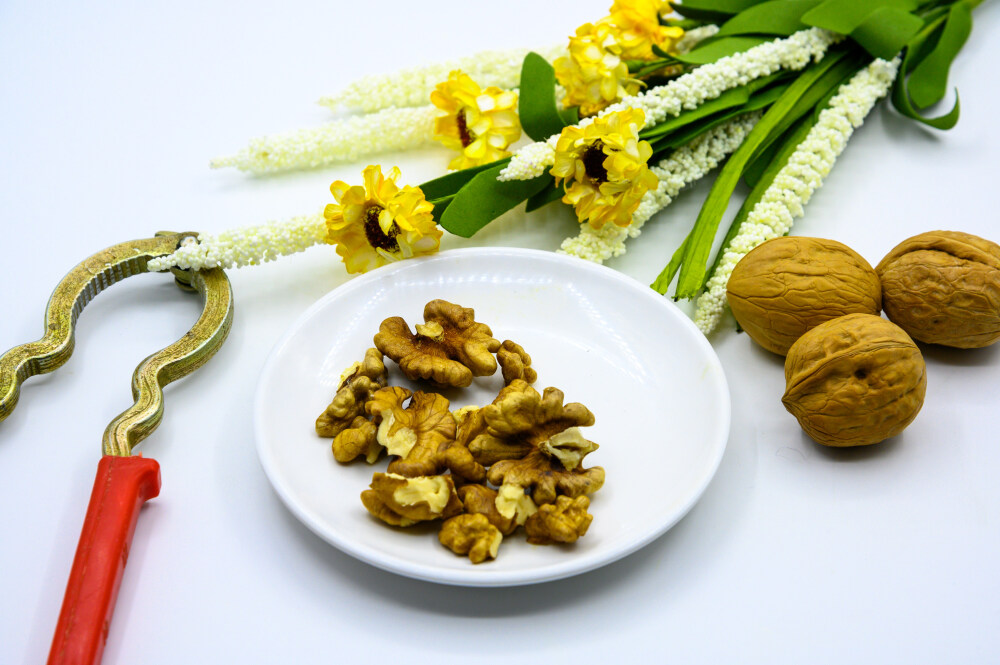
854, 381
943, 287
788, 285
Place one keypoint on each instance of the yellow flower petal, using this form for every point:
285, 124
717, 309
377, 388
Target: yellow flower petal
604, 168
404, 226
636, 27
471, 116
594, 73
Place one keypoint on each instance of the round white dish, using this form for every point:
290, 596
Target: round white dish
654, 383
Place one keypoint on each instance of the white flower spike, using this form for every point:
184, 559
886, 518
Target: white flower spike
248, 246
413, 86
338, 141
795, 184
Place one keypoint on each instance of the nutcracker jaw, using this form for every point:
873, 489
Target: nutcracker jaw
78, 288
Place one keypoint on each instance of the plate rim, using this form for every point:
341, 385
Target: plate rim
473, 577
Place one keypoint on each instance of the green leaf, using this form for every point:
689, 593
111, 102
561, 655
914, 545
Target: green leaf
662, 282
728, 99
720, 48
760, 100
886, 31
732, 98
536, 105
847, 65
485, 198
921, 46
929, 81
780, 152
777, 17
683, 24
570, 116
694, 260
697, 13
759, 163
713, 11
844, 16
901, 101
722, 6
543, 198
660, 52
924, 42
439, 207
449, 184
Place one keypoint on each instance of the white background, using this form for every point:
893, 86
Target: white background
109, 113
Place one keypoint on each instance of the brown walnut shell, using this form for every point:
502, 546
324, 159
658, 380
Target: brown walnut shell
788, 285
943, 287
854, 381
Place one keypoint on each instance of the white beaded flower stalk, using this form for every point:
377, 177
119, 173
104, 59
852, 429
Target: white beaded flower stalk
247, 246
695, 88
686, 165
692, 37
413, 86
796, 182
339, 141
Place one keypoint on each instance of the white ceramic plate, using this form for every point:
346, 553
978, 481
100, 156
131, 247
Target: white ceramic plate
652, 380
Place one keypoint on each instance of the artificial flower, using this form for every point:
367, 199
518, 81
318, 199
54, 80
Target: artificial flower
636, 28
594, 74
701, 85
478, 123
379, 222
606, 164
684, 166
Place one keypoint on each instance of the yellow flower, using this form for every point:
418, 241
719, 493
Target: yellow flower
594, 74
607, 165
478, 123
636, 27
379, 222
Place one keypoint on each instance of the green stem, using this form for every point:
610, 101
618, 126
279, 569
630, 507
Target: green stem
683, 23
695, 259
663, 280
641, 68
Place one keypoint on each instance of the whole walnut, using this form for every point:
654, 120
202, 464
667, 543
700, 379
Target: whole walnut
943, 287
854, 380
788, 285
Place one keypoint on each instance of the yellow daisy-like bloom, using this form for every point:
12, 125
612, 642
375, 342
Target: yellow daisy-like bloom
608, 167
594, 74
379, 222
636, 27
478, 123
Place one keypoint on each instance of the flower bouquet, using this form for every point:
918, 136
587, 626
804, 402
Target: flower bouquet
639, 104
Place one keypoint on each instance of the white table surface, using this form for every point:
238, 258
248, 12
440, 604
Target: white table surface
110, 113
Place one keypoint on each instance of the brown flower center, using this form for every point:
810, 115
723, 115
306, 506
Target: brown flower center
373, 231
593, 162
463, 129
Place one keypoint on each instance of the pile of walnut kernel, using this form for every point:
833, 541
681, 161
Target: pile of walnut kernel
484, 471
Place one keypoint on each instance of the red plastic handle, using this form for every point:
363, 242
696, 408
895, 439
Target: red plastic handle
122, 485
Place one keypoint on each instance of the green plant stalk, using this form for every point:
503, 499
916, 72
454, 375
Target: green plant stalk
663, 280
447, 186
695, 258
731, 98
788, 147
